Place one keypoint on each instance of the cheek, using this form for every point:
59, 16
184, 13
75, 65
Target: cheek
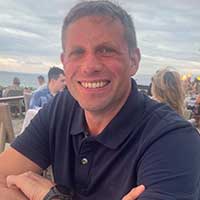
69, 70
68, 77
120, 71
118, 65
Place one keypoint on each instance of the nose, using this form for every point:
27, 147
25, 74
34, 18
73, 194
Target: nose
91, 64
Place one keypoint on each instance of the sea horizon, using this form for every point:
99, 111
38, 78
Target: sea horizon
30, 79
26, 79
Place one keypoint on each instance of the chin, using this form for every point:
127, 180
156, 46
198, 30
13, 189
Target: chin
92, 108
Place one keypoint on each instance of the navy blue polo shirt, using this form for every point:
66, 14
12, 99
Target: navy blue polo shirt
145, 143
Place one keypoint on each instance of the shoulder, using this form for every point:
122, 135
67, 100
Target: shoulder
161, 112
160, 121
40, 92
62, 102
60, 112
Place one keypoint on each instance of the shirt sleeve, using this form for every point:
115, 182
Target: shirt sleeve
34, 141
35, 101
169, 168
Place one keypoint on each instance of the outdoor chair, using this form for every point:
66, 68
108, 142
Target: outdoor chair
15, 106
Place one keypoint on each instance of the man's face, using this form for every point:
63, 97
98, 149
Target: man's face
59, 83
40, 81
97, 63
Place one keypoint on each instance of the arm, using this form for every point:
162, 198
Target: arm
29, 152
36, 187
13, 162
35, 101
169, 168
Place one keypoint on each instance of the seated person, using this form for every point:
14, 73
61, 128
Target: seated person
14, 89
56, 83
167, 88
102, 136
16, 107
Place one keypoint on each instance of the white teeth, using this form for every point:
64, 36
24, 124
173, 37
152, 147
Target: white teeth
98, 84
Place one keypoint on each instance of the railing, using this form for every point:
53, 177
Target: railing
11, 99
15, 102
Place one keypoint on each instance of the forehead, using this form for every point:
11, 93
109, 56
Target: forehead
61, 76
94, 28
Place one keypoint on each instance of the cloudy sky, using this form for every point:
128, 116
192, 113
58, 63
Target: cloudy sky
168, 34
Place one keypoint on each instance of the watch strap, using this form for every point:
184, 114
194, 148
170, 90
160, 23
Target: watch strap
54, 193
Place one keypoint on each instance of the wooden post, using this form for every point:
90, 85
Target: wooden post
5, 119
2, 137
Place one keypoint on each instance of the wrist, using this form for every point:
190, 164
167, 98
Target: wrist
44, 192
58, 192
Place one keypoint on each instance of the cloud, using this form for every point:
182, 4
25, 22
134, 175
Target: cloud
27, 64
168, 33
153, 63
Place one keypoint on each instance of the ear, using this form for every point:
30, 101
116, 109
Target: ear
62, 58
135, 60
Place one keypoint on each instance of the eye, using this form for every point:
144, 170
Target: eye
76, 53
106, 51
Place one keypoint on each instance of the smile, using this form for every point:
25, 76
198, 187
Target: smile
96, 84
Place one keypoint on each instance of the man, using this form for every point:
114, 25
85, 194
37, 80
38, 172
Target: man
15, 90
41, 81
14, 87
56, 83
103, 138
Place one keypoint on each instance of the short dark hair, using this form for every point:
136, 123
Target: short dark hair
54, 73
102, 8
41, 77
16, 81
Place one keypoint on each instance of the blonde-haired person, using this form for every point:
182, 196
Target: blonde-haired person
167, 88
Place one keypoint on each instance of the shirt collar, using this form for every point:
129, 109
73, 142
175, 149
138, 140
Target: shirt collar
48, 91
120, 126
78, 121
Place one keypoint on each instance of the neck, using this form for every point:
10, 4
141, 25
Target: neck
98, 120
51, 89
96, 123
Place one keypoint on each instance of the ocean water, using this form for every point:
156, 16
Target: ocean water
27, 80
30, 80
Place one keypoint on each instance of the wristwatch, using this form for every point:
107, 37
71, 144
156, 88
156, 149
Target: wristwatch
59, 192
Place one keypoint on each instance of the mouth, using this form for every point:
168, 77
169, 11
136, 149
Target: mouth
93, 84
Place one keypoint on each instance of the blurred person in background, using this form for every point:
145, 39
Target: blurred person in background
167, 88
1, 91
56, 83
14, 87
196, 85
41, 81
